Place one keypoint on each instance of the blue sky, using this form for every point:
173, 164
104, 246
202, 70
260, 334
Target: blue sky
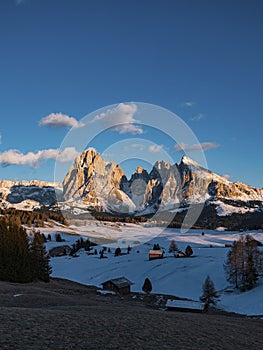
200, 59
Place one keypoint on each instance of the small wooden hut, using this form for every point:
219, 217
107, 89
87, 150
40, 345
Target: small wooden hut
155, 254
119, 285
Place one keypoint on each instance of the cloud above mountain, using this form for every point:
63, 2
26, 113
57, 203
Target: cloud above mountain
60, 120
120, 119
188, 104
203, 146
15, 157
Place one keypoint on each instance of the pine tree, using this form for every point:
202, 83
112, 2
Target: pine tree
58, 237
188, 251
117, 251
14, 252
39, 259
209, 295
231, 265
173, 247
147, 286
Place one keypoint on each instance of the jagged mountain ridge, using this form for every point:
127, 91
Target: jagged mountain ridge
103, 186
27, 195
95, 184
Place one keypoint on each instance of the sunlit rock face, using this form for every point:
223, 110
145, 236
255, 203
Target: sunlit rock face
97, 183
104, 186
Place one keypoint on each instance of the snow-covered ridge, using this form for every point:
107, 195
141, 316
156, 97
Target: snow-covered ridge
27, 195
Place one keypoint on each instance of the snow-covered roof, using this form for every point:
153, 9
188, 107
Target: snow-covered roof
184, 304
155, 252
119, 282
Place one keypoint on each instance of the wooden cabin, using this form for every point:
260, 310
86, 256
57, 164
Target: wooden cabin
155, 254
119, 285
185, 305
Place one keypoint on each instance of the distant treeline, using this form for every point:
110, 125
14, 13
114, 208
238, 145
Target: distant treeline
208, 218
34, 218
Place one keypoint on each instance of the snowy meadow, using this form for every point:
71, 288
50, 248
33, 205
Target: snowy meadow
181, 277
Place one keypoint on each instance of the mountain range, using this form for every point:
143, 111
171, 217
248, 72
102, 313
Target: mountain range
95, 184
103, 186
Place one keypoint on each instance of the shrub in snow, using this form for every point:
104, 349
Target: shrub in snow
58, 237
117, 251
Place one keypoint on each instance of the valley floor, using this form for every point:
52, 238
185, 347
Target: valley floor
66, 315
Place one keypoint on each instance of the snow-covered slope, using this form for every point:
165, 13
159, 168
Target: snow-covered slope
180, 277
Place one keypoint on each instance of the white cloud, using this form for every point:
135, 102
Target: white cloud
60, 120
197, 117
188, 104
155, 148
120, 119
203, 146
15, 157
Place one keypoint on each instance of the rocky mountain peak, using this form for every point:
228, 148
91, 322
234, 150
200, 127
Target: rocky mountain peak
161, 164
189, 162
97, 183
86, 157
103, 185
139, 170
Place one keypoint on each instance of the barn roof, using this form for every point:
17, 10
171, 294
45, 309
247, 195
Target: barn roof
155, 252
184, 304
119, 282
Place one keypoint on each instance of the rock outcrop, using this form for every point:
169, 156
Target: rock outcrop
98, 184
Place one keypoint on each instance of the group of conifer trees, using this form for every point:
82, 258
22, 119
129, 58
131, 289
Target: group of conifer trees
244, 264
22, 259
34, 218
